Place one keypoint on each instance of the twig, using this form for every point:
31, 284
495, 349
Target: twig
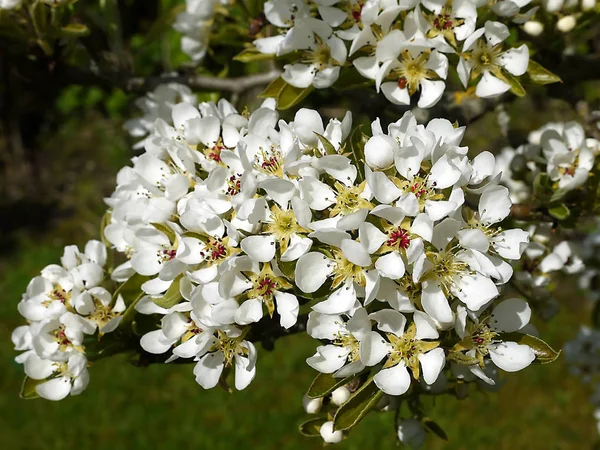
235, 85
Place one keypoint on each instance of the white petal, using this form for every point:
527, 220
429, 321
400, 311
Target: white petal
426, 328
510, 315
371, 237
475, 290
510, 356
208, 370
324, 326
250, 311
356, 253
259, 248
436, 304
393, 381
339, 301
390, 265
490, 86
312, 270
389, 321
474, 238
55, 389
494, 205
287, 307
328, 358
432, 364
373, 348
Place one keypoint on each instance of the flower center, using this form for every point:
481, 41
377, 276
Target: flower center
270, 162
398, 238
350, 342
345, 270
166, 255
234, 185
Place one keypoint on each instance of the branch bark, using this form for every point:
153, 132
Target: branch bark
235, 85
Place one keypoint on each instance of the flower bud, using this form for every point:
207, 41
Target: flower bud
312, 405
566, 24
330, 436
411, 433
379, 151
533, 27
586, 5
340, 395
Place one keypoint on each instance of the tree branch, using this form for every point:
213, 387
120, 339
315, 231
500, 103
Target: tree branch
235, 85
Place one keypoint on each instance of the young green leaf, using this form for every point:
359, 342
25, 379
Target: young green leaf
541, 75
171, 297
357, 406
559, 211
28, 388
325, 384
312, 427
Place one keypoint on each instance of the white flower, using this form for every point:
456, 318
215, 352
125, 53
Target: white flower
488, 59
62, 378
408, 349
226, 349
10, 4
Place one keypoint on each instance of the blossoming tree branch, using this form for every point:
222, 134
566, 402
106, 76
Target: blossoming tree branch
414, 262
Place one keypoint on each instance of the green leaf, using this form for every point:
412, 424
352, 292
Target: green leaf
357, 148
544, 354
329, 148
312, 427
131, 289
251, 54
559, 195
273, 89
515, 85
290, 96
462, 359
325, 384
74, 30
171, 297
559, 211
103, 224
165, 229
542, 186
28, 388
541, 75
357, 406
435, 429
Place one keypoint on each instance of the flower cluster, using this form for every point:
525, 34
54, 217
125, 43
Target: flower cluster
402, 46
388, 246
62, 305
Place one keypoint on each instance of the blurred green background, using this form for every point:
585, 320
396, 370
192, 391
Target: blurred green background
57, 200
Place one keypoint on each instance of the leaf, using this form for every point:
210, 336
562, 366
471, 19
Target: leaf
252, 54
312, 427
28, 391
559, 195
542, 186
435, 429
515, 85
165, 229
357, 148
103, 224
74, 30
325, 384
273, 89
131, 289
171, 297
544, 354
329, 148
290, 96
462, 359
559, 211
541, 75
357, 406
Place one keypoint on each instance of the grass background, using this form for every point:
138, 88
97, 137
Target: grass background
157, 407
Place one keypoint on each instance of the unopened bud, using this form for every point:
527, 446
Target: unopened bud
533, 27
411, 433
566, 24
330, 436
586, 5
340, 395
312, 405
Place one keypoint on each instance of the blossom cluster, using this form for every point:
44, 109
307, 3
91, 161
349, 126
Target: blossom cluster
389, 245
225, 213
63, 305
402, 46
